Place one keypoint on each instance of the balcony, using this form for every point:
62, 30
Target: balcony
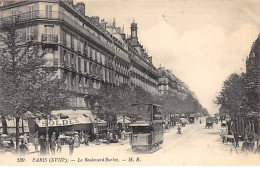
50, 38
42, 15
50, 41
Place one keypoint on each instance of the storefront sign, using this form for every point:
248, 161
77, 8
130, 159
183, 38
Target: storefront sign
60, 122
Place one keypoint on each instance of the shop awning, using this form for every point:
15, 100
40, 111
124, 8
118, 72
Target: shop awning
74, 117
102, 123
11, 126
121, 121
139, 124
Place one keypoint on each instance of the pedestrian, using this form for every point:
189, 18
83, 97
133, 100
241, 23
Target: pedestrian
76, 140
25, 138
86, 139
23, 148
111, 136
108, 137
236, 139
71, 146
200, 121
36, 141
42, 143
53, 147
53, 136
222, 135
123, 135
179, 130
59, 144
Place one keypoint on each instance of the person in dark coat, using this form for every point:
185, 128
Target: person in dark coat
108, 137
71, 146
59, 145
23, 148
86, 139
42, 143
36, 141
236, 139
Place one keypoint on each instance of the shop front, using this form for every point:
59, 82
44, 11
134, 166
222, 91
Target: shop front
67, 122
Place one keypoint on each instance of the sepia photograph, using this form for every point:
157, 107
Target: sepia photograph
129, 83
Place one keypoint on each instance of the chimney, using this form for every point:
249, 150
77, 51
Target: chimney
81, 7
150, 58
95, 19
123, 36
103, 24
70, 1
142, 51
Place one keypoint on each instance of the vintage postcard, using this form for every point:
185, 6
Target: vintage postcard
129, 83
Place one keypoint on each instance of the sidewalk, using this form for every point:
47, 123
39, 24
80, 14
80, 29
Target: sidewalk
238, 150
31, 148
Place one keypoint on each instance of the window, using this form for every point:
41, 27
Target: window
48, 11
72, 42
30, 33
64, 38
64, 58
31, 11
85, 66
79, 63
14, 13
79, 46
49, 29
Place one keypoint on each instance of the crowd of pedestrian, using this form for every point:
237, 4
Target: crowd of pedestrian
54, 143
248, 143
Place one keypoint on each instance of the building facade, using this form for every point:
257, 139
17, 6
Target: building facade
86, 51
168, 83
142, 71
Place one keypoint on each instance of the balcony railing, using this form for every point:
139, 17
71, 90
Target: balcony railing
41, 14
50, 38
23, 17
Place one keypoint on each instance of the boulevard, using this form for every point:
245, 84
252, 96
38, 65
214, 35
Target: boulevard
196, 146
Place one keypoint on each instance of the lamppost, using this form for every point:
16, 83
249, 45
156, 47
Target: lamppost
96, 108
228, 119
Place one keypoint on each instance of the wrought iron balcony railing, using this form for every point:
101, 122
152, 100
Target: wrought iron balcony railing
50, 38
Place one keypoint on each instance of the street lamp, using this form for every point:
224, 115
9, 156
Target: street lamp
228, 119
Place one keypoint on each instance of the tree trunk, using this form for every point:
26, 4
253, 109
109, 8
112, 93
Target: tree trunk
22, 126
17, 134
4, 124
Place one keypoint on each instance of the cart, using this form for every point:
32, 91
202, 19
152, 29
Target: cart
209, 122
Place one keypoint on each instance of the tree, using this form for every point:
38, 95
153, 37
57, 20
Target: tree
27, 84
115, 99
233, 96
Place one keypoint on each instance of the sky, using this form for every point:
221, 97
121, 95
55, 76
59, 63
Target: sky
201, 41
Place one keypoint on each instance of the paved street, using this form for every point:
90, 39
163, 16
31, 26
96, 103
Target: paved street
197, 146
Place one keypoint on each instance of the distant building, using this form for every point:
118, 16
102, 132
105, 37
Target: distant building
168, 83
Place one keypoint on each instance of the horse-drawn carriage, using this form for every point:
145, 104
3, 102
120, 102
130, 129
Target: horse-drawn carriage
209, 122
147, 132
223, 123
191, 119
183, 121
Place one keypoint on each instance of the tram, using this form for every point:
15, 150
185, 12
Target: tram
146, 127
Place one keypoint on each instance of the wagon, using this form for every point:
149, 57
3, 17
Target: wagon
191, 119
223, 123
209, 122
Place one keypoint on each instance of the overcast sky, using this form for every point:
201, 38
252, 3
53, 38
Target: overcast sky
201, 41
